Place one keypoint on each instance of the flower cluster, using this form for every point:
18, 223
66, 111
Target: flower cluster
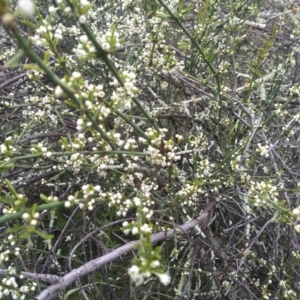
31, 220
134, 228
263, 150
127, 111
72, 200
85, 48
262, 194
138, 277
162, 152
8, 285
41, 149
10, 288
7, 149
295, 90
46, 36
235, 164
108, 41
79, 8
296, 214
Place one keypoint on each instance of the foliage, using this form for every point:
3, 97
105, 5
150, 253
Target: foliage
120, 119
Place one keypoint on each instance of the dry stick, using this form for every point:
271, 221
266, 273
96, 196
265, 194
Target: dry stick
52, 279
42, 135
11, 80
242, 261
52, 291
89, 235
7, 116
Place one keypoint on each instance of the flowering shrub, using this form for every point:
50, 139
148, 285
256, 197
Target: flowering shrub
124, 119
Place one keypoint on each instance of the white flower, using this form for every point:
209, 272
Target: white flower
134, 271
155, 264
84, 2
146, 228
135, 230
297, 228
165, 279
136, 275
33, 222
58, 92
105, 46
82, 19
296, 211
137, 201
83, 39
52, 9
67, 204
48, 154
25, 216
26, 7
76, 75
68, 10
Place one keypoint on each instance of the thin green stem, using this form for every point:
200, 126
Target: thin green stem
62, 154
197, 46
104, 56
42, 207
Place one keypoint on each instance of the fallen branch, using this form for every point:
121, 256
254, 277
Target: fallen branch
52, 291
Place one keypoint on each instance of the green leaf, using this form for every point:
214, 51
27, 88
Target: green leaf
11, 188
13, 62
44, 198
43, 235
7, 199
31, 67
16, 228
162, 15
86, 9
29, 24
72, 104
6, 165
187, 10
64, 141
46, 56
70, 292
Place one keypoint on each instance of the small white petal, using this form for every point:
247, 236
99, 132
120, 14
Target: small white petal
26, 7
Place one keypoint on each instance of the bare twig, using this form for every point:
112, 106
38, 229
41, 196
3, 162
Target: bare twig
11, 80
52, 279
